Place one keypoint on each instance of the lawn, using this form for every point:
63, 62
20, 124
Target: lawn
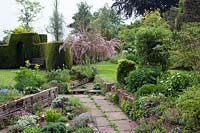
107, 71
7, 77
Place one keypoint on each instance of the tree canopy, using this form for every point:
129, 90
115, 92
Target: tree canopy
138, 7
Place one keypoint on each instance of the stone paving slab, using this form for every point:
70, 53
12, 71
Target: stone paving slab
85, 100
106, 130
98, 97
96, 112
110, 108
103, 102
91, 106
113, 116
102, 122
125, 125
81, 96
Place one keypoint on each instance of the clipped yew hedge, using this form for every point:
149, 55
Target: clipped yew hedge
55, 59
21, 47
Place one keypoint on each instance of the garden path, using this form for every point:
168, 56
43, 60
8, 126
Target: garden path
109, 117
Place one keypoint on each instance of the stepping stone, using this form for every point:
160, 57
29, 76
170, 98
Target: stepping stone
98, 97
91, 106
125, 125
85, 100
81, 96
110, 108
106, 130
113, 116
96, 113
101, 122
103, 102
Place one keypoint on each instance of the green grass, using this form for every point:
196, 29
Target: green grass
107, 71
7, 77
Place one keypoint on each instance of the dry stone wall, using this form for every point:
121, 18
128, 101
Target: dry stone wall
28, 103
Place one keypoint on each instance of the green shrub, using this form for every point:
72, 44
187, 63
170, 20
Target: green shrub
132, 57
114, 59
84, 71
33, 130
84, 130
60, 75
28, 78
74, 101
52, 115
54, 128
189, 105
140, 77
149, 89
177, 82
114, 98
126, 106
151, 46
123, 69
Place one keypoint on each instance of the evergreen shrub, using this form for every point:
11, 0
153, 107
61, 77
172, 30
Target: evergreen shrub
123, 69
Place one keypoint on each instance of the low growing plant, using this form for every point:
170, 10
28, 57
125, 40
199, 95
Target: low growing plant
52, 115
55, 128
82, 120
24, 122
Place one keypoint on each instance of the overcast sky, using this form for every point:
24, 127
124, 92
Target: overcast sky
9, 11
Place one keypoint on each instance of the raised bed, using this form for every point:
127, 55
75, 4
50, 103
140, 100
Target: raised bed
28, 103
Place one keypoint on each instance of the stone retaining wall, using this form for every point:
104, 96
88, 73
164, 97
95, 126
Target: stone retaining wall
28, 103
123, 95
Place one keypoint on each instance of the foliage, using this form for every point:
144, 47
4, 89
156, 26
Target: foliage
151, 46
74, 101
106, 21
186, 51
126, 106
33, 130
188, 104
52, 115
28, 12
84, 130
82, 120
63, 119
141, 76
59, 102
31, 90
7, 94
24, 122
60, 75
56, 23
114, 98
177, 82
148, 89
82, 18
28, 78
91, 45
124, 67
84, 71
137, 8
54, 58
97, 86
54, 128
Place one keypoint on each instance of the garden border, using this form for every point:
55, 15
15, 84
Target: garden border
28, 103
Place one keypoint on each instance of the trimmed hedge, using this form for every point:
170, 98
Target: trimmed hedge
21, 47
55, 59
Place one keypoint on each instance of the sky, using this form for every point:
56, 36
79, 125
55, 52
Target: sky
9, 11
